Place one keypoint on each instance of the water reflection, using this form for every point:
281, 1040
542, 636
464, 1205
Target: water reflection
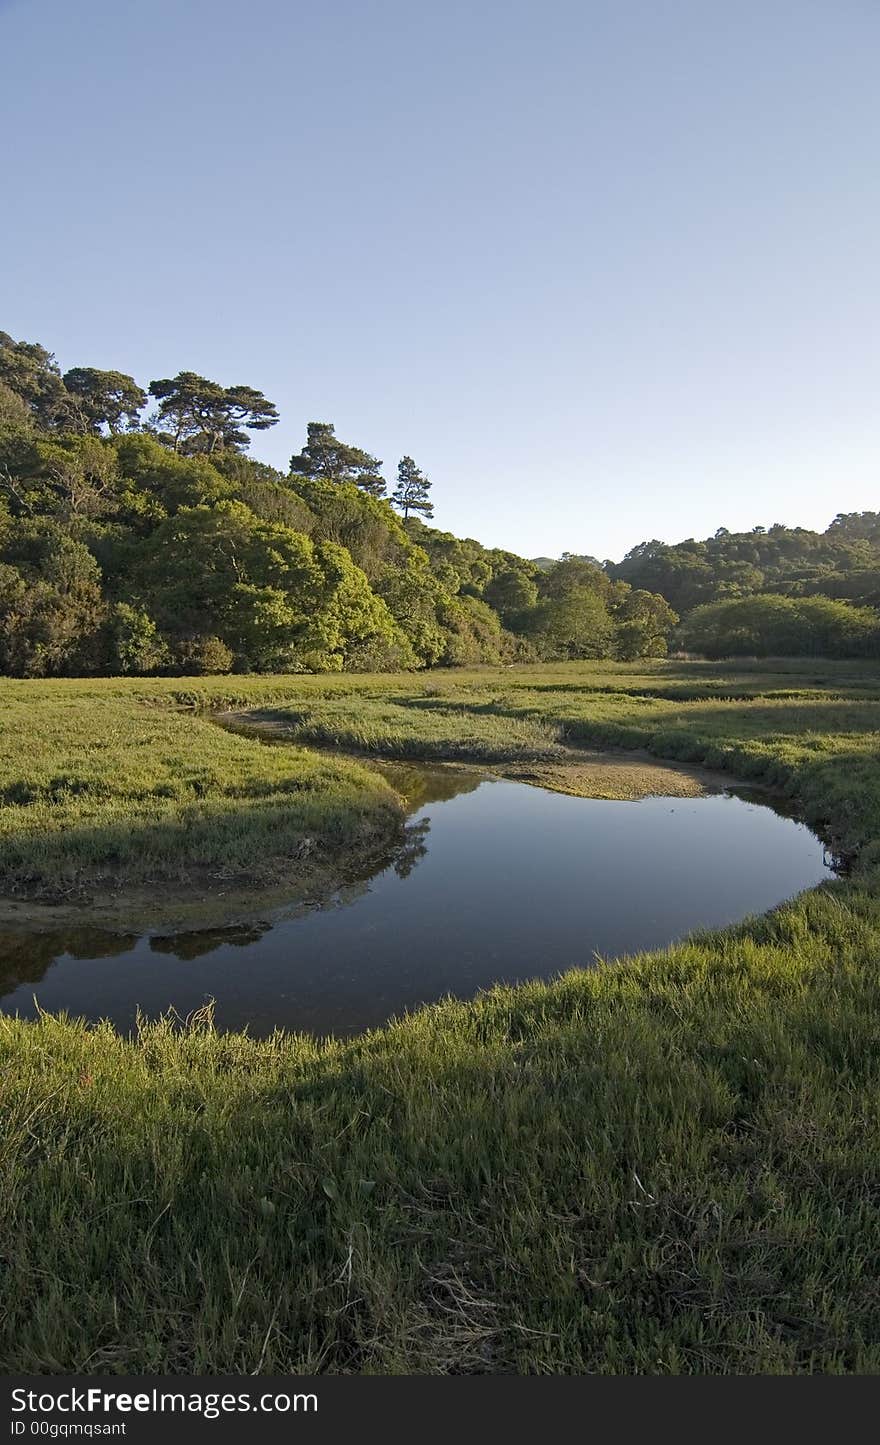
196, 944
494, 881
25, 956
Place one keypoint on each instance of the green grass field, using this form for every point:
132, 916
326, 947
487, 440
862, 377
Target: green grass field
665, 1165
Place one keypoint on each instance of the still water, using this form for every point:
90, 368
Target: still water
497, 881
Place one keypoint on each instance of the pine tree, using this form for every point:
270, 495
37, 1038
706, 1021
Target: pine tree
205, 417
324, 455
411, 492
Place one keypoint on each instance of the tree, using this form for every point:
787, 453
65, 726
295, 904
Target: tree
643, 621
14, 410
51, 607
510, 592
324, 455
158, 483
573, 574
411, 492
342, 512
30, 371
200, 656
856, 524
473, 632
460, 562
768, 625
273, 598
414, 597
204, 416
575, 625
104, 398
77, 478
135, 645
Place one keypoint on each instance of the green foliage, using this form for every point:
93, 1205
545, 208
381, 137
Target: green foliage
30, 372
414, 597
388, 650
411, 492
574, 575
51, 605
136, 645
767, 625
325, 456
790, 560
276, 599
273, 501
365, 525
104, 398
14, 410
474, 633
203, 416
350, 616
510, 591
856, 526
202, 656
267, 492
205, 559
575, 625
159, 483
57, 475
460, 563
643, 623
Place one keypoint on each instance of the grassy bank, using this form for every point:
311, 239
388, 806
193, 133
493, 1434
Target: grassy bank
100, 789
113, 783
664, 1165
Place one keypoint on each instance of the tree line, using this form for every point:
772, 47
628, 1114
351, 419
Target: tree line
775, 591
138, 542
137, 535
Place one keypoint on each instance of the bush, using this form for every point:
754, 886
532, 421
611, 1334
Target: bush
135, 643
768, 625
198, 656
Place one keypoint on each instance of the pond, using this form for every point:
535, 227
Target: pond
497, 881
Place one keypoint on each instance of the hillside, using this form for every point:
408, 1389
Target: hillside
137, 541
138, 545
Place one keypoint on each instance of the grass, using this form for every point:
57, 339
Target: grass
111, 792
667, 1165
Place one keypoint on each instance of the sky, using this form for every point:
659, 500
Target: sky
607, 269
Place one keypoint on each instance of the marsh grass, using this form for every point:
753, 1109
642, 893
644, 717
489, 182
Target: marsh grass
99, 791
666, 1165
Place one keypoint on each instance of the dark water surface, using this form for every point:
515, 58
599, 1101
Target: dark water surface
498, 881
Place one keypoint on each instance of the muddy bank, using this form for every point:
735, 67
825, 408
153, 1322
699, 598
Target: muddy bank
616, 776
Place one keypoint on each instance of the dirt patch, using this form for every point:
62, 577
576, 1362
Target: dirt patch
618, 776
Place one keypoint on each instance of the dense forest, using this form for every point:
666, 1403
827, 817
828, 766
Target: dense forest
138, 536
773, 591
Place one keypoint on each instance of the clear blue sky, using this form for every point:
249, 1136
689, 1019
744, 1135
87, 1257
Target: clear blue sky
608, 269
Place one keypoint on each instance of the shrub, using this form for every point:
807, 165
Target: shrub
198, 656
